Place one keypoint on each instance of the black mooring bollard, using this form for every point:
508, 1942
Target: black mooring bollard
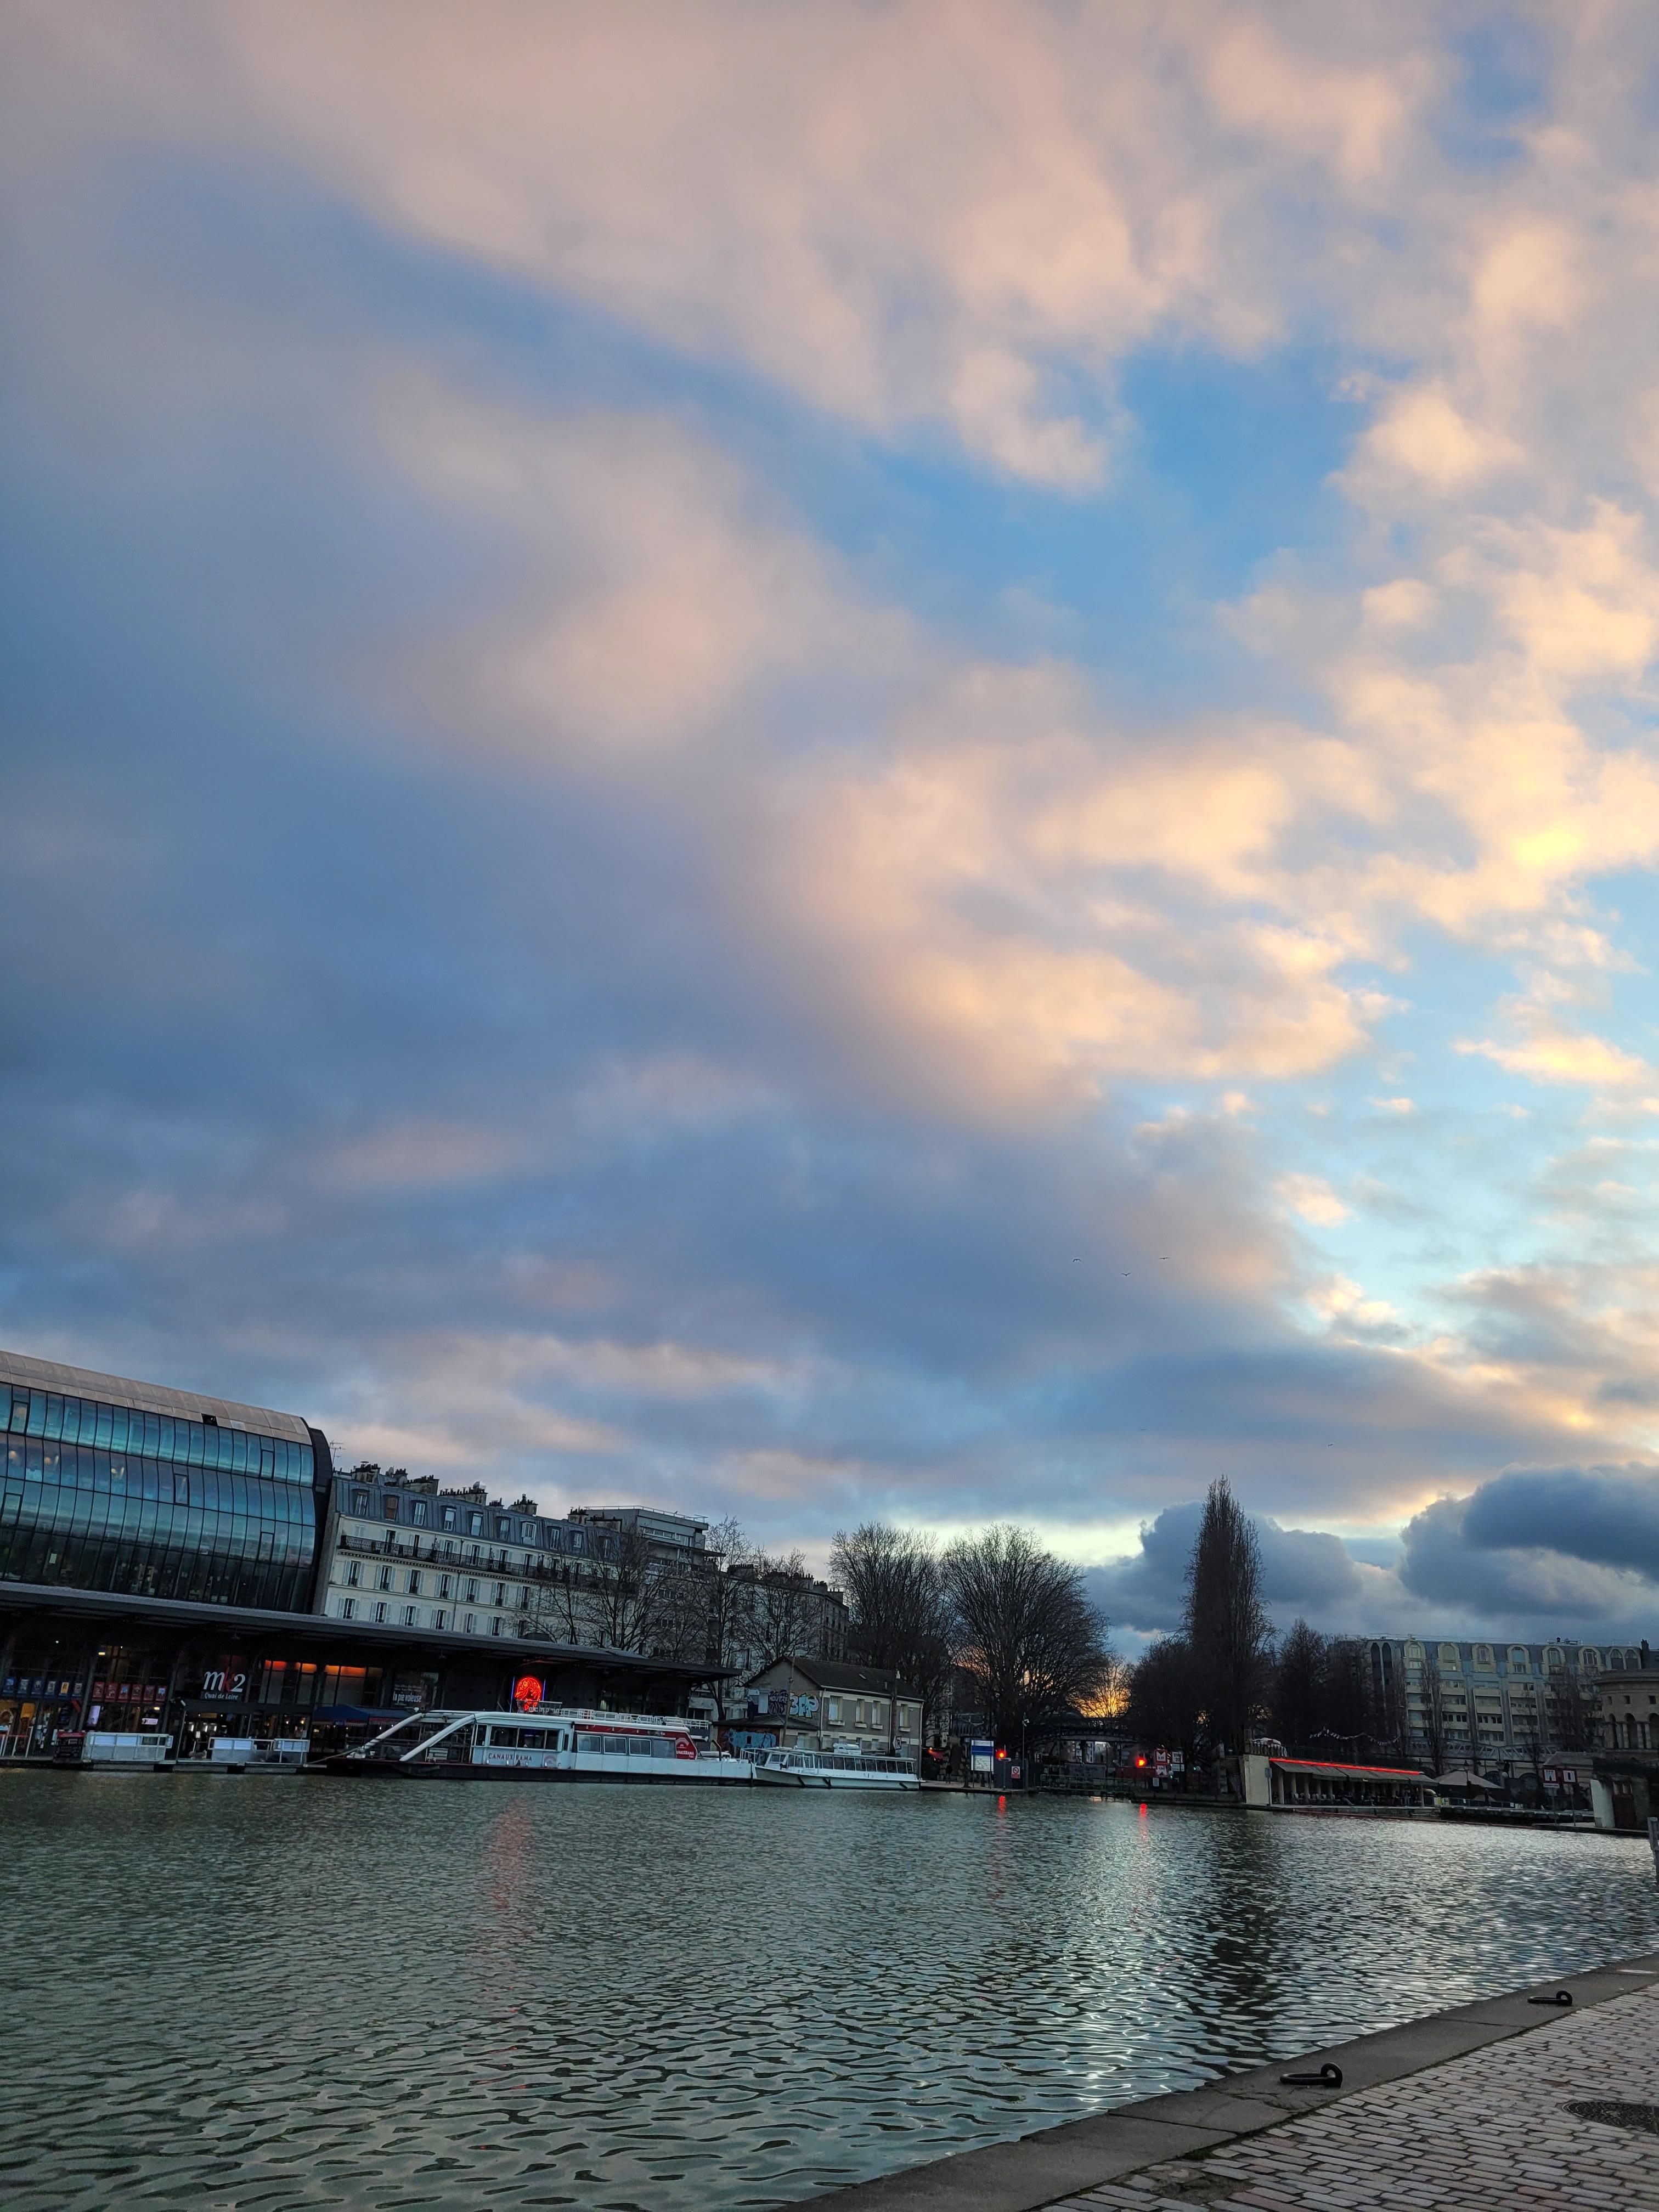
1561, 1997
1328, 2077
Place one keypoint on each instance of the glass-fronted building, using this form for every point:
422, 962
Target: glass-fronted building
140, 1491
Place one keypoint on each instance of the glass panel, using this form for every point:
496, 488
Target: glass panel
54, 1414
37, 1413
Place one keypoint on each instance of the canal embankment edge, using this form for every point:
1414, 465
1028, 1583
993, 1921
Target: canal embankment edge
1054, 2163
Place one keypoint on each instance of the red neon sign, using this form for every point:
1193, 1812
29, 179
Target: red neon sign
527, 1692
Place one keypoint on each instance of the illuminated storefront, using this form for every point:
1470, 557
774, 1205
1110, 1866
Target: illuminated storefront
159, 1574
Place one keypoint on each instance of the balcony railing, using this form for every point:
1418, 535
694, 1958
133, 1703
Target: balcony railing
432, 1554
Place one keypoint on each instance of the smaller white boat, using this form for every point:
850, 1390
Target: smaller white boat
843, 1766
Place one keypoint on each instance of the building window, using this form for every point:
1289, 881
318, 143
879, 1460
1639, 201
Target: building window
389, 1507
472, 1589
446, 1585
471, 1623
475, 1524
360, 1501
523, 1597
1518, 1663
411, 1615
354, 1574
383, 1578
1449, 1655
833, 1709
414, 1581
348, 1608
379, 1610
495, 1627
440, 1619
449, 1516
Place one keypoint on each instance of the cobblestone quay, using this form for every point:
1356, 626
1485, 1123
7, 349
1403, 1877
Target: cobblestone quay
1463, 2111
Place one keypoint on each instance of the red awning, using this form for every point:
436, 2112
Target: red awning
1348, 1773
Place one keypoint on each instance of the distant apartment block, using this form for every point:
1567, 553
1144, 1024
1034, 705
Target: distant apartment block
1462, 1700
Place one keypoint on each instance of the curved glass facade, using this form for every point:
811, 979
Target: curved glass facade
102, 1497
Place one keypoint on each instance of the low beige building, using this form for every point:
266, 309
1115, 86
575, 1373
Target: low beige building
813, 1704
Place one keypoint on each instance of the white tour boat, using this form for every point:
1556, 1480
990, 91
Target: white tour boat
843, 1766
549, 1744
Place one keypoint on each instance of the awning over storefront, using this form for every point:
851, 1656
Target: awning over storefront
1333, 1773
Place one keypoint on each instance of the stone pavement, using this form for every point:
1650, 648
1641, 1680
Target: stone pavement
1475, 2133
1462, 2110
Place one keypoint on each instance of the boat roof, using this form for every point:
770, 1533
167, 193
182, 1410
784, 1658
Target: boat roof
504, 1714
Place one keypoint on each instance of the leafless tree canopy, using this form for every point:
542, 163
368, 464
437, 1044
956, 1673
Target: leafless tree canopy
1434, 1713
901, 1620
1320, 1699
1029, 1642
726, 1603
1227, 1625
1572, 1708
1165, 1704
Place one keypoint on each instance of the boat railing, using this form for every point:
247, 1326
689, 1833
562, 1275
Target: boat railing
439, 1724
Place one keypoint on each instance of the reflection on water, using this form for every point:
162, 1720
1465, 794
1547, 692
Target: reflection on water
225, 1992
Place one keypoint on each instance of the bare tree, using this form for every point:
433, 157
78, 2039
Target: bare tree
1532, 1744
901, 1614
1434, 1712
626, 1594
1300, 1698
1030, 1643
1227, 1624
1163, 1697
1348, 1712
1573, 1711
784, 1613
730, 1618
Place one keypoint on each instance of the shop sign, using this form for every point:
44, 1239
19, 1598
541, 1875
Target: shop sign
981, 1758
230, 1681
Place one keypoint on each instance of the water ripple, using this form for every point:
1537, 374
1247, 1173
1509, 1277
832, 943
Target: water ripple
258, 1995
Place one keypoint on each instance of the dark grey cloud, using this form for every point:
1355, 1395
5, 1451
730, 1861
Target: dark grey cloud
1303, 1571
1544, 1550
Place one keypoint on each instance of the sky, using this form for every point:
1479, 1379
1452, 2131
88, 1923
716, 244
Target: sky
864, 759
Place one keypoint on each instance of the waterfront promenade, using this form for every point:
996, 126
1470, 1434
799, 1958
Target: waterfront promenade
1461, 2112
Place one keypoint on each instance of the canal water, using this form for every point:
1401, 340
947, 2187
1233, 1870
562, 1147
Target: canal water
221, 1992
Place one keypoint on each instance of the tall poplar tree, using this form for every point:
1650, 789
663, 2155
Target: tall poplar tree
1227, 1625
